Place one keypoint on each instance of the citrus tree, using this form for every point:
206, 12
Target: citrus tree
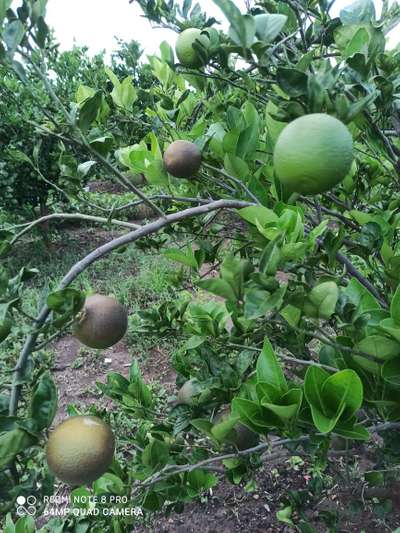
275, 146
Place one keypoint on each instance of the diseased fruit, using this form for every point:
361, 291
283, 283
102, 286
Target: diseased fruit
80, 449
188, 56
313, 154
103, 323
187, 392
5, 329
182, 159
240, 436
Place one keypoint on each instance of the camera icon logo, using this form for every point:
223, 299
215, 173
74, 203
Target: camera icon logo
26, 505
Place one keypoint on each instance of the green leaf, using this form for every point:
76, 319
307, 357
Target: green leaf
236, 166
269, 26
186, 258
269, 369
89, 109
271, 256
124, 95
251, 414
43, 406
221, 430
343, 388
291, 314
195, 341
358, 12
66, 302
12, 443
137, 386
255, 303
289, 404
156, 454
314, 379
391, 372
356, 432
247, 142
284, 515
293, 82
203, 425
4, 6
258, 213
243, 31
13, 34
352, 40
360, 297
9, 525
395, 306
389, 326
25, 524
200, 480
324, 298
219, 287
379, 346
325, 423
109, 484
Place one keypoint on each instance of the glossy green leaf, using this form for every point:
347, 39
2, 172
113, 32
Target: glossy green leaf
395, 307
258, 213
293, 82
391, 372
343, 388
269, 26
43, 406
358, 12
380, 347
268, 368
12, 443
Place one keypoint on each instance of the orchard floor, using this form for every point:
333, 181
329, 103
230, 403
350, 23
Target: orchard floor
229, 508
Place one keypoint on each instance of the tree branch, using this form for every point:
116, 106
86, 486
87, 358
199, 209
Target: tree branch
71, 216
97, 254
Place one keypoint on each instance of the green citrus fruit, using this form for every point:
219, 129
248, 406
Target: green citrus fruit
103, 322
313, 154
187, 55
182, 159
80, 449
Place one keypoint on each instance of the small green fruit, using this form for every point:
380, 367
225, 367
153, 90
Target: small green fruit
313, 154
188, 56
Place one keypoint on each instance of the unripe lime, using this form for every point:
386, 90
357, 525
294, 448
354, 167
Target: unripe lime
182, 159
187, 55
80, 449
313, 154
103, 323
